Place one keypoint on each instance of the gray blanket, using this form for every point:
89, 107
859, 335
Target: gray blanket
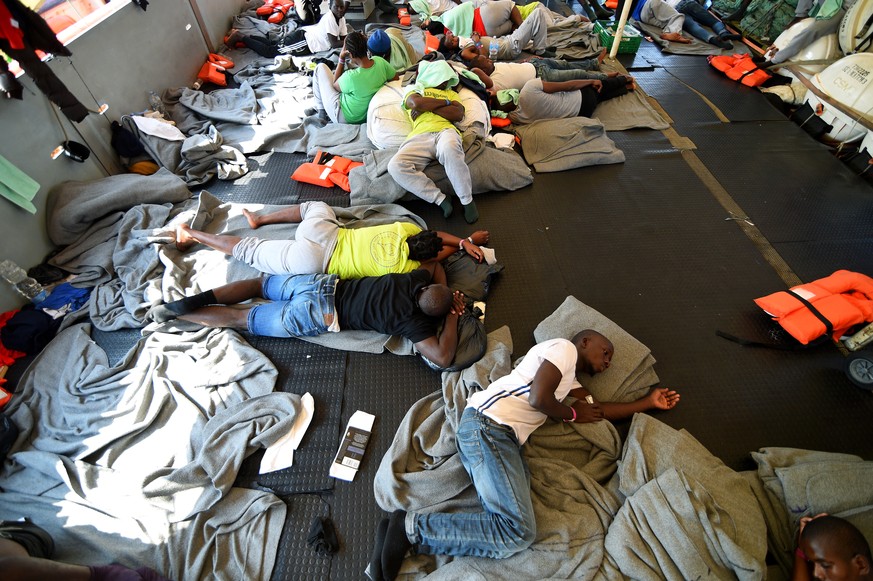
672, 511
135, 463
561, 144
491, 170
791, 484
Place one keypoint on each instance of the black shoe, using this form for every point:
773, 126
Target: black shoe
720, 43
730, 36
601, 12
310, 111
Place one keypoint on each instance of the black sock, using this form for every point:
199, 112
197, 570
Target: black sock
374, 569
396, 545
191, 304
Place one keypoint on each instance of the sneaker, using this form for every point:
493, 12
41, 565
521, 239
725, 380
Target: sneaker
547, 54
310, 111
730, 36
721, 43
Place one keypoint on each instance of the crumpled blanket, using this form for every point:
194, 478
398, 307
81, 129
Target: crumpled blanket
136, 463
790, 484
561, 144
491, 169
572, 39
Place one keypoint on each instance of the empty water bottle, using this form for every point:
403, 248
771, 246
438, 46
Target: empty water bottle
156, 104
492, 50
26, 286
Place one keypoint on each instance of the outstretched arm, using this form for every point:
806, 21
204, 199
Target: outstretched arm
441, 350
486, 80
659, 398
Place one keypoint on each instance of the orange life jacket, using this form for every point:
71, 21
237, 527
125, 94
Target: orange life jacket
831, 305
212, 73
740, 67
328, 174
431, 43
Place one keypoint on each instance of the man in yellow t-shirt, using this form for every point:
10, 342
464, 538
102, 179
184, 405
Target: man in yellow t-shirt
434, 109
322, 245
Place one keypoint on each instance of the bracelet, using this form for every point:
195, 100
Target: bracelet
448, 102
470, 239
573, 419
461, 244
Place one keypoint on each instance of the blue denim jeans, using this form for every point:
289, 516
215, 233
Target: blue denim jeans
696, 17
300, 303
492, 456
557, 70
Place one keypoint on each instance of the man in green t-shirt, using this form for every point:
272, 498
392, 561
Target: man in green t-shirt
344, 95
434, 109
323, 245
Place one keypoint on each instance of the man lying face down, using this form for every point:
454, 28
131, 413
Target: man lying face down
493, 427
411, 305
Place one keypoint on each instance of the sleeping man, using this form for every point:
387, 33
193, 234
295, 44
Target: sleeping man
410, 305
540, 99
493, 427
323, 245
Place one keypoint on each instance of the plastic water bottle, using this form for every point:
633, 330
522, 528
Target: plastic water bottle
25, 285
492, 50
156, 104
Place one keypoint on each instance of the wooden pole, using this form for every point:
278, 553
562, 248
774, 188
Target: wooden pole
625, 10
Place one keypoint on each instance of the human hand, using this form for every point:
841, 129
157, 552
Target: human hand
473, 251
458, 304
480, 237
344, 54
587, 413
805, 521
662, 398
475, 37
597, 84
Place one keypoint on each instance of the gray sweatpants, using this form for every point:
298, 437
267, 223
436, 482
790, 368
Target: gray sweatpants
534, 28
407, 165
659, 13
327, 95
310, 251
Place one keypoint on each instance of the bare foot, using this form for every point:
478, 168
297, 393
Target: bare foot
480, 237
601, 56
252, 218
233, 37
184, 240
675, 37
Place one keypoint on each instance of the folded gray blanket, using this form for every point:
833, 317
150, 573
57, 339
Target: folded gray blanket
561, 144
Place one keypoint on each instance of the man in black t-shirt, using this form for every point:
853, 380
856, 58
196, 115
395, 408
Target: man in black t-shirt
411, 305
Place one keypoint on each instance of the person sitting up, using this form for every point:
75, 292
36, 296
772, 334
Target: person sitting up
323, 245
494, 425
828, 16
412, 305
499, 76
688, 15
434, 108
329, 33
391, 46
344, 95
26, 553
831, 548
532, 32
540, 99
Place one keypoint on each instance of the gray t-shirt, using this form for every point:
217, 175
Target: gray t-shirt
534, 103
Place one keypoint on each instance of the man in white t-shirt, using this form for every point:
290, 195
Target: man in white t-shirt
499, 76
328, 33
493, 427
540, 99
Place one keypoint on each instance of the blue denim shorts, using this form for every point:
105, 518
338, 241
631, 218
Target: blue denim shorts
299, 305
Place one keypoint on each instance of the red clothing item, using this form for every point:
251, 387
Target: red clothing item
9, 28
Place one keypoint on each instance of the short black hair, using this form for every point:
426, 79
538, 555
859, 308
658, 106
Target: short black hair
585, 334
436, 27
841, 534
436, 300
424, 245
356, 43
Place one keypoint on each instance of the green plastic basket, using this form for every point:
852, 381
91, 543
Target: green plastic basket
630, 40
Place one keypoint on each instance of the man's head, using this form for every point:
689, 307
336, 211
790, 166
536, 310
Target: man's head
424, 245
837, 549
435, 300
338, 7
485, 64
435, 27
505, 100
448, 44
356, 44
379, 44
594, 351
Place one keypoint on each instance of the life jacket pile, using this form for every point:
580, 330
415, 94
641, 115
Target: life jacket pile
326, 170
741, 68
213, 69
830, 305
